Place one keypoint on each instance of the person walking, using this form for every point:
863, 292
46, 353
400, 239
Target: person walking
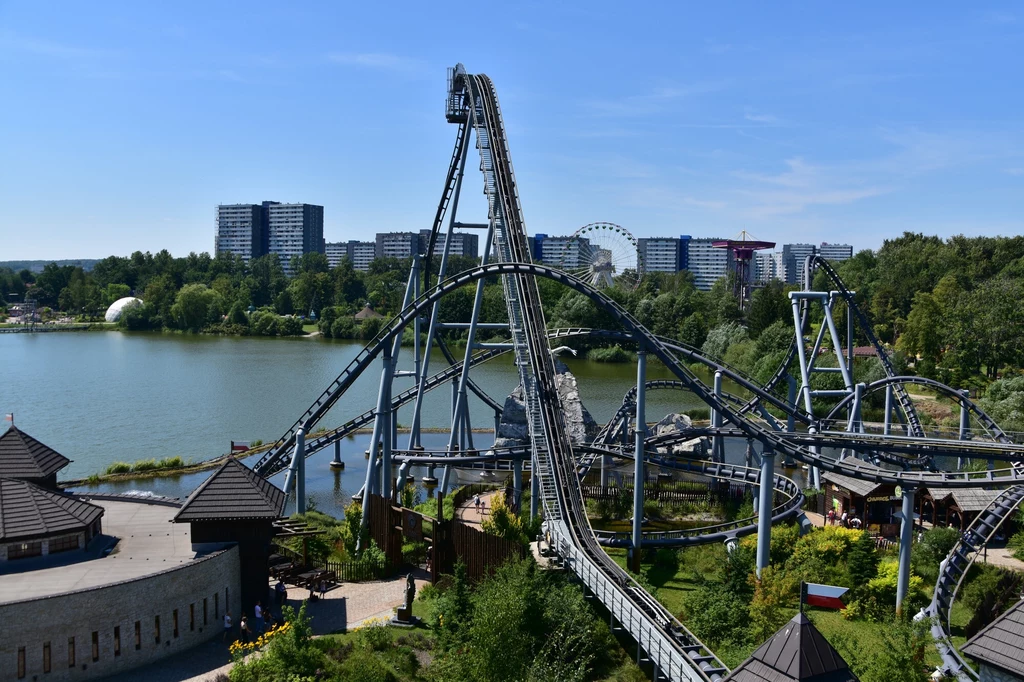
260, 623
243, 626
282, 593
844, 520
323, 588
831, 517
227, 626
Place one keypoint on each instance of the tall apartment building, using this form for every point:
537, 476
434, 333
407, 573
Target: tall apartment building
562, 252
463, 244
836, 252
397, 244
769, 266
241, 230
707, 263
663, 254
295, 229
794, 256
360, 254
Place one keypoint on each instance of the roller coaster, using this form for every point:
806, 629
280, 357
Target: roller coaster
774, 419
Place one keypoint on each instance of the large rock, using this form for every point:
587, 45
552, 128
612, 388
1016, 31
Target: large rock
680, 423
513, 429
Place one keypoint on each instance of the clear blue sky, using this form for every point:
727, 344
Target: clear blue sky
122, 125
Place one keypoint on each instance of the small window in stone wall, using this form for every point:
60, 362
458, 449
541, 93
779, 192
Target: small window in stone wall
138, 635
23, 550
95, 646
63, 544
71, 652
21, 662
117, 640
216, 604
205, 620
156, 629
191, 617
46, 657
175, 622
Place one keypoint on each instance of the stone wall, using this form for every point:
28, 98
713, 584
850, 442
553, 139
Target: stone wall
111, 615
989, 674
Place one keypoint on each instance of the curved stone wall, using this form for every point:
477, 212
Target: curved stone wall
91, 633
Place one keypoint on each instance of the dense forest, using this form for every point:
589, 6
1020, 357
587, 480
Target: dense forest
951, 305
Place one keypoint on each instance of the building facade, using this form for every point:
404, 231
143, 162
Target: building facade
463, 244
241, 230
662, 254
334, 251
295, 229
397, 244
769, 266
563, 252
794, 256
706, 263
360, 254
836, 252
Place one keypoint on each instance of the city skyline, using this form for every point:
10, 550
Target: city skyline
794, 124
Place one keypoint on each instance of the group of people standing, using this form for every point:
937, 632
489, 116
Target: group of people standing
263, 618
844, 519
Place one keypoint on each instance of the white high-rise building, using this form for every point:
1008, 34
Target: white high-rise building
295, 229
707, 263
660, 254
334, 251
397, 244
240, 230
564, 252
836, 252
463, 244
769, 266
361, 254
794, 256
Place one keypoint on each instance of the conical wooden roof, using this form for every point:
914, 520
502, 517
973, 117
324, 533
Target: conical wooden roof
796, 652
28, 511
22, 456
233, 492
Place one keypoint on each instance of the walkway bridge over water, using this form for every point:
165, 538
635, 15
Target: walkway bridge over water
776, 417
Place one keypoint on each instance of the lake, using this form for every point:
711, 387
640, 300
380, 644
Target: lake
103, 397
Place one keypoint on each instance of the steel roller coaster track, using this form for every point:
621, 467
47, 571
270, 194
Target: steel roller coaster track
675, 652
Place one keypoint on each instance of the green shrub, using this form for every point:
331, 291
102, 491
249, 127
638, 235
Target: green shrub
119, 468
363, 666
614, 354
715, 614
375, 635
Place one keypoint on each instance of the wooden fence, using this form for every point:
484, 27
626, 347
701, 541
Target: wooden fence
482, 553
347, 571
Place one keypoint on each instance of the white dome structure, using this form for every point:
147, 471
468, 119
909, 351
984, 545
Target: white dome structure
118, 307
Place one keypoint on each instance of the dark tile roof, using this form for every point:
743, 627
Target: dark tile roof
22, 456
854, 485
1001, 643
27, 511
968, 499
233, 492
796, 652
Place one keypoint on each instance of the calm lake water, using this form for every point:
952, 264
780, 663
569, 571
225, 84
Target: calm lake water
103, 397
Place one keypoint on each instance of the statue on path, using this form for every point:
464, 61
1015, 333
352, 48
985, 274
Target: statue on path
404, 615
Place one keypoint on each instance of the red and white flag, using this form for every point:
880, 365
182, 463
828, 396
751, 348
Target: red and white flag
824, 596
239, 445
9, 417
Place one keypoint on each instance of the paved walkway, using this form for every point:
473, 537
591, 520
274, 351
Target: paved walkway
470, 514
344, 607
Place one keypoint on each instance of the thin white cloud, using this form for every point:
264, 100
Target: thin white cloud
758, 117
45, 48
654, 102
375, 60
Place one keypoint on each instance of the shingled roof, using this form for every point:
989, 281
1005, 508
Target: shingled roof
233, 492
1000, 644
22, 456
968, 499
796, 652
854, 485
28, 511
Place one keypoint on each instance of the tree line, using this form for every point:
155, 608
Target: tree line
951, 303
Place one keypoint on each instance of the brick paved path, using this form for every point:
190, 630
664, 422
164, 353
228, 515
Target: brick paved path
468, 513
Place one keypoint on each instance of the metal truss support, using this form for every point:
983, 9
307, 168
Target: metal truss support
907, 517
424, 366
764, 516
517, 483
534, 488
717, 442
640, 433
300, 479
965, 427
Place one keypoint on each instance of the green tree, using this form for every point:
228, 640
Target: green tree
768, 305
721, 337
862, 563
196, 306
772, 604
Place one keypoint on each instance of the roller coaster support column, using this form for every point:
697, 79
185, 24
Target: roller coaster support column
856, 421
965, 425
638, 470
887, 429
764, 514
424, 369
907, 517
403, 476
300, 479
717, 445
801, 352
381, 431
387, 427
534, 489
517, 483
336, 463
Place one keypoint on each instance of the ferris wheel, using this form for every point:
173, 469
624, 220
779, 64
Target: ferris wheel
603, 255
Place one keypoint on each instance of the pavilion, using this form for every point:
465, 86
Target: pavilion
796, 653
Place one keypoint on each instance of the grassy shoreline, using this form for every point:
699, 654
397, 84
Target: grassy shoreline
207, 464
